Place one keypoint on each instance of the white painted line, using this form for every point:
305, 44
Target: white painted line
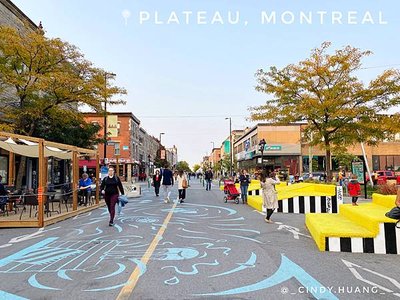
285, 205
317, 204
296, 208
379, 241
306, 204
334, 244
356, 245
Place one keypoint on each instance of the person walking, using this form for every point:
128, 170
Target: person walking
167, 182
269, 194
111, 187
244, 180
208, 176
354, 189
157, 182
182, 186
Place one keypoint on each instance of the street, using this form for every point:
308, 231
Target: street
201, 249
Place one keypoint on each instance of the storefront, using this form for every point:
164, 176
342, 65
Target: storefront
274, 157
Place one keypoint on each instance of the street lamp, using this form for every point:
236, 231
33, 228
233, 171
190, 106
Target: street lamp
231, 146
148, 161
105, 113
161, 133
261, 147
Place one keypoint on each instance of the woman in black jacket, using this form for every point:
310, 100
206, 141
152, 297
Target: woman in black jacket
157, 182
111, 187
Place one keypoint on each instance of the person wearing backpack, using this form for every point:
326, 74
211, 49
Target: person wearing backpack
111, 187
354, 189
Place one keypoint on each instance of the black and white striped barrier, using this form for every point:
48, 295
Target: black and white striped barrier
386, 242
308, 204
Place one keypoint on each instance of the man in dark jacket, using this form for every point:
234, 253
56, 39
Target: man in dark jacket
208, 176
3, 196
167, 182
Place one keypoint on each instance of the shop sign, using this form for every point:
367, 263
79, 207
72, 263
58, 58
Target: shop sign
272, 148
125, 148
249, 155
358, 169
112, 126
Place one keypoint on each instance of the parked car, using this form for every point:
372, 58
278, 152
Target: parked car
317, 175
384, 176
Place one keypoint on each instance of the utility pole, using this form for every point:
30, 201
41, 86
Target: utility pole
231, 146
105, 114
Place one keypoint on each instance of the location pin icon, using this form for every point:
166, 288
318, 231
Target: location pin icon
126, 15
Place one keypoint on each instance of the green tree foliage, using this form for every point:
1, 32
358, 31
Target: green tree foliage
44, 80
324, 92
183, 165
38, 74
196, 167
61, 128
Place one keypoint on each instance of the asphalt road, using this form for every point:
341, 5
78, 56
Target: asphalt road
201, 249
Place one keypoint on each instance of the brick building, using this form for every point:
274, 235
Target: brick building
129, 145
122, 142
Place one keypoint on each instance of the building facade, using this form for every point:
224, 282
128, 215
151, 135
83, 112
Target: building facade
123, 148
12, 16
284, 150
172, 156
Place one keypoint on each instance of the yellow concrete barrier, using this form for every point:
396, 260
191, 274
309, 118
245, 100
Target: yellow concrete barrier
362, 229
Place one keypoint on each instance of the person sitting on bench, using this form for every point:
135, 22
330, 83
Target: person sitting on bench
85, 190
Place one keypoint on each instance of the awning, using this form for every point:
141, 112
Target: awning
88, 163
33, 151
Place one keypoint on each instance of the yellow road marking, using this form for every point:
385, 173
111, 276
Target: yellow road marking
127, 290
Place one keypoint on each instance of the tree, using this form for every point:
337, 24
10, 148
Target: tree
161, 163
324, 93
183, 166
40, 77
217, 168
68, 129
44, 74
226, 163
196, 167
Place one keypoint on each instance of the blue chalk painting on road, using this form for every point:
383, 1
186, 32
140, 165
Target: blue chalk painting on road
90, 249
286, 271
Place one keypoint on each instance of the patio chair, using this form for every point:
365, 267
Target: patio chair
66, 194
13, 198
54, 197
29, 200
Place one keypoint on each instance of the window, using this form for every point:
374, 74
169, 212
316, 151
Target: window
117, 150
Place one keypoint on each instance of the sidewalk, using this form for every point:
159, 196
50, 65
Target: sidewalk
347, 199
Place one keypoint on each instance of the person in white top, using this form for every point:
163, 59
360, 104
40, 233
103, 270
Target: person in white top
270, 195
182, 186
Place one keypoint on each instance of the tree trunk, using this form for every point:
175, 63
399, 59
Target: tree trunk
21, 173
328, 167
